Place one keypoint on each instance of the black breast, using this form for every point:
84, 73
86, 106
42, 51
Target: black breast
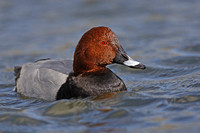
91, 84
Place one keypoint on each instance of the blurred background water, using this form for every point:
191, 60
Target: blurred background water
163, 35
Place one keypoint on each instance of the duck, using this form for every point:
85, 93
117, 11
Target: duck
87, 75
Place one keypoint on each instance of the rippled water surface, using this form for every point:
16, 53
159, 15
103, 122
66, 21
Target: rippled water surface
163, 35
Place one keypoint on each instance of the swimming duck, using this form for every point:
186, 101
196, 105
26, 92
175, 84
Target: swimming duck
85, 76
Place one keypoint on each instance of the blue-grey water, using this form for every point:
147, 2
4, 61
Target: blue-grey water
162, 34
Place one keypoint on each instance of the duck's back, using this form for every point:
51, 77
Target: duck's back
43, 78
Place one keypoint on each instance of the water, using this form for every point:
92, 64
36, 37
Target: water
163, 35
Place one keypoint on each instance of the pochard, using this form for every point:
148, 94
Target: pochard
87, 75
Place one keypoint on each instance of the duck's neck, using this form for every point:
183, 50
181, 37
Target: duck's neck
82, 69
95, 71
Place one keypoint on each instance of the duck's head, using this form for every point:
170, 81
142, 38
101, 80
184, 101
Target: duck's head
99, 47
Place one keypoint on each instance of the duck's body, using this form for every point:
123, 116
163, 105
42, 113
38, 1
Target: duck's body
86, 76
54, 80
43, 79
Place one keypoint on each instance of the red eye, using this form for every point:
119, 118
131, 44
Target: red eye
104, 42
